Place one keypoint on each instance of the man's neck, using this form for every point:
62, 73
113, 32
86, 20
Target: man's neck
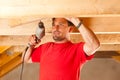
63, 41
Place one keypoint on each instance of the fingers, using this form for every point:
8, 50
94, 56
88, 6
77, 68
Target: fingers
38, 41
33, 40
74, 20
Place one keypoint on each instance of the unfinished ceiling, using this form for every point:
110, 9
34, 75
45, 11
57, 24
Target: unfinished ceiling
19, 19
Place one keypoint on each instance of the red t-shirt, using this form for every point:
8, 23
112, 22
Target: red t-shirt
60, 61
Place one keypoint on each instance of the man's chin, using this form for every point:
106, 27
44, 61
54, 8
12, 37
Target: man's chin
58, 38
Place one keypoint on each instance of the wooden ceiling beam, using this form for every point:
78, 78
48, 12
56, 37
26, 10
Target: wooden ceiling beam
109, 47
106, 54
27, 26
5, 58
9, 66
113, 45
3, 48
53, 8
75, 37
106, 38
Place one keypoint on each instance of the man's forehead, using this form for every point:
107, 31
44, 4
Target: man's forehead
60, 20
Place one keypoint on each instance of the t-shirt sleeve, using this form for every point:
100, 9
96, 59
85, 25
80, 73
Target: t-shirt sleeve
82, 54
36, 54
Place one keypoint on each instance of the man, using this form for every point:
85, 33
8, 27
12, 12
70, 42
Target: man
62, 59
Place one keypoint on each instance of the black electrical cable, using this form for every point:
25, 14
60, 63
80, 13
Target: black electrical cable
22, 65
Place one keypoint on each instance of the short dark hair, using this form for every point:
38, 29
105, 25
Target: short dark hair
69, 23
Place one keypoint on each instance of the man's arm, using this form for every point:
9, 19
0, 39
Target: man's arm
26, 56
91, 42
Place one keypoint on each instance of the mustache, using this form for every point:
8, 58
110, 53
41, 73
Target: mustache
56, 31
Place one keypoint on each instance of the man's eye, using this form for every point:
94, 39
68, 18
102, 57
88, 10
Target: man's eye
61, 24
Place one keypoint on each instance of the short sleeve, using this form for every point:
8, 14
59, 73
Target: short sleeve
82, 54
36, 54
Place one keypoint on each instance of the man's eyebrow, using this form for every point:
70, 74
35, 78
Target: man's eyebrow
63, 22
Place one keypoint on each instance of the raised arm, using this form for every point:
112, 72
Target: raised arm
91, 42
26, 56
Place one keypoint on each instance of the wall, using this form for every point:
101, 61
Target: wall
101, 69
96, 69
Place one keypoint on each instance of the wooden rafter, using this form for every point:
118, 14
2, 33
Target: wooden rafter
39, 8
3, 48
7, 58
75, 37
28, 26
9, 66
107, 54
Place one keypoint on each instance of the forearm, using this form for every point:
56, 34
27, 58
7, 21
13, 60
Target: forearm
26, 56
91, 41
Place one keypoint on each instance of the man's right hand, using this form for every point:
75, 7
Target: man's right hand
33, 41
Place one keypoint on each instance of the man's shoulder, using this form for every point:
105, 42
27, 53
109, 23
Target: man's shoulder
47, 44
79, 43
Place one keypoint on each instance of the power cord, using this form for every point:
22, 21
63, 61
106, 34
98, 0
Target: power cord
22, 65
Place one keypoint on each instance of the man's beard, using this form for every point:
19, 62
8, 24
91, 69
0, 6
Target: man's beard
57, 38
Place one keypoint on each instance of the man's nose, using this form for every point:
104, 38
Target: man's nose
57, 27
